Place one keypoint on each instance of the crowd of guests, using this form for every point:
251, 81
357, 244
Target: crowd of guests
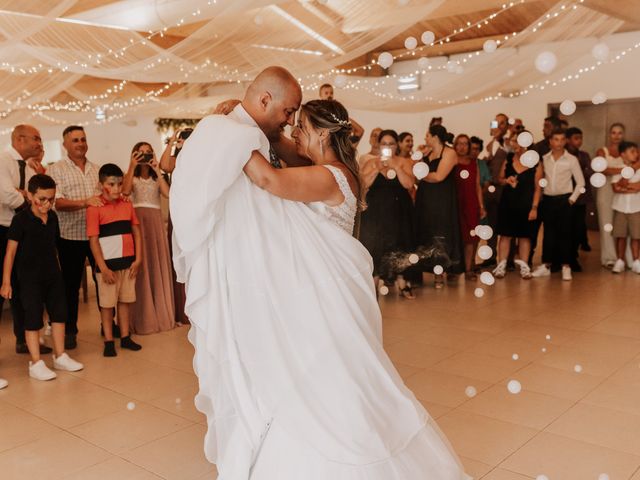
56, 219
414, 223
424, 209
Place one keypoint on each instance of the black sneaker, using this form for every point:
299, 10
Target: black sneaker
22, 348
129, 344
70, 342
109, 349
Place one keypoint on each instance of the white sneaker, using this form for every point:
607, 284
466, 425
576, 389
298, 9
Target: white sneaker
3, 383
618, 267
566, 273
65, 362
525, 270
501, 269
635, 266
40, 371
541, 271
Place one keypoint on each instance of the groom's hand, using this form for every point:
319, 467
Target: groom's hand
226, 107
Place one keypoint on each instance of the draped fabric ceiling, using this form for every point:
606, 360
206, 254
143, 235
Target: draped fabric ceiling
65, 60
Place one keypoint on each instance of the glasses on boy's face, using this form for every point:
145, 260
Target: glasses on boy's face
44, 200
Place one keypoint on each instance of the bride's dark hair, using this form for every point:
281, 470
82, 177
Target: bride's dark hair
332, 115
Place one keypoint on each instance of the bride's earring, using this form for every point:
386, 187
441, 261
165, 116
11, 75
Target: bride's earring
321, 148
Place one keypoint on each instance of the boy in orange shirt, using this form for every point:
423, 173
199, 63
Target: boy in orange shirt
115, 241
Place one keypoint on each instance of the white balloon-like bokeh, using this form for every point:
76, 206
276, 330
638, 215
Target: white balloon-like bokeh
391, 174
599, 164
530, 158
423, 62
438, 270
599, 98
385, 60
627, 172
428, 37
491, 189
598, 180
487, 278
515, 356
420, 170
577, 369
514, 387
485, 252
417, 156
490, 46
479, 292
464, 174
608, 227
131, 406
384, 290
525, 139
543, 182
601, 51
470, 391
340, 81
485, 232
568, 107
411, 43
413, 259
546, 62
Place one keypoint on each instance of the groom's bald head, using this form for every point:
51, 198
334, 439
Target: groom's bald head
272, 100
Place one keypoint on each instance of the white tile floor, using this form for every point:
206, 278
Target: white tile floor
563, 424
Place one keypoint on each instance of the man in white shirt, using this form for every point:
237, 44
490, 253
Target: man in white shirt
626, 209
561, 171
17, 166
77, 188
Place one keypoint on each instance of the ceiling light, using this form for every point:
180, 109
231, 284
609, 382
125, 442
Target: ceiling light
308, 30
286, 49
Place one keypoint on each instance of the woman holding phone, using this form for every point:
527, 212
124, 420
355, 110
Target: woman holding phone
154, 307
386, 227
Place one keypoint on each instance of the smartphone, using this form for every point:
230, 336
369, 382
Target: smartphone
146, 158
182, 135
386, 152
494, 124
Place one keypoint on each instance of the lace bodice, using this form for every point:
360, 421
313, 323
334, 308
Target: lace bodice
343, 215
145, 193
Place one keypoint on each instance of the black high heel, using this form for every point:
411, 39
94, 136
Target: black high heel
407, 292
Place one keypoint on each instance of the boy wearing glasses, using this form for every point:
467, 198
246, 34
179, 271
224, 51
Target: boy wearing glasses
32, 249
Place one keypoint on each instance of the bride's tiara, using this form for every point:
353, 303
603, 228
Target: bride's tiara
343, 123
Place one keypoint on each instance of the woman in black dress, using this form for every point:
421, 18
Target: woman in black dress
386, 227
518, 208
436, 210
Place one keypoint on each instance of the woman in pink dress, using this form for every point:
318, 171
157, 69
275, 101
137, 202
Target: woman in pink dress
154, 307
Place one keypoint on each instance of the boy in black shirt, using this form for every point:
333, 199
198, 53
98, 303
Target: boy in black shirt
32, 240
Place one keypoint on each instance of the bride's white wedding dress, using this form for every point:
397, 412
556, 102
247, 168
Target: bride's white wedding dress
287, 330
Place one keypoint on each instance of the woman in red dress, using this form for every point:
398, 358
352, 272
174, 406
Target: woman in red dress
470, 202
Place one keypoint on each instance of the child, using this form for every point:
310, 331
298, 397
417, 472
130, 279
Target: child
626, 209
114, 236
31, 246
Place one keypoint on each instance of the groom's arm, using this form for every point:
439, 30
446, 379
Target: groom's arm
286, 151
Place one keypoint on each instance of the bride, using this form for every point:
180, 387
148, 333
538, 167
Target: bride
286, 327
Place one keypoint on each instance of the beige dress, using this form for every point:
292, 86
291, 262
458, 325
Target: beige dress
154, 308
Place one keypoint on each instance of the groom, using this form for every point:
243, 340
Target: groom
271, 101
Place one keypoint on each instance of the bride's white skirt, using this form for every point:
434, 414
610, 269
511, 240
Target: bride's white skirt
426, 457
287, 332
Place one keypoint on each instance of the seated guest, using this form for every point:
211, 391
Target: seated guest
518, 209
31, 247
626, 209
116, 244
564, 182
154, 308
